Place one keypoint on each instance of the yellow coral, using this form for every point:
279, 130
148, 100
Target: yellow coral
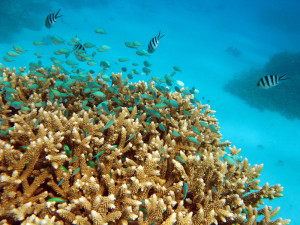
124, 162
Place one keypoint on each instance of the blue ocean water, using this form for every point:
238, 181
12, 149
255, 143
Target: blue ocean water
210, 41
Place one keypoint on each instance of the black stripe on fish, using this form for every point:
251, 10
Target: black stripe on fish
269, 81
79, 51
51, 19
79, 46
154, 43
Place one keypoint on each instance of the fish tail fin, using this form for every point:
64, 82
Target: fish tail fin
283, 77
67, 54
160, 36
56, 15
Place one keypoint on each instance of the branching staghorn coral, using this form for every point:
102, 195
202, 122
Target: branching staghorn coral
84, 151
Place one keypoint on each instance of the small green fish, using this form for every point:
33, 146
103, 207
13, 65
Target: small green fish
143, 210
154, 113
75, 171
100, 31
25, 109
176, 68
176, 133
173, 103
195, 129
92, 164
180, 159
203, 124
162, 127
13, 53
67, 150
38, 104
98, 155
162, 151
89, 45
186, 112
55, 92
64, 168
131, 136
123, 59
213, 129
73, 160
185, 190
60, 182
114, 146
108, 125
160, 105
16, 104
56, 200
36, 123
99, 94
10, 90
33, 87
130, 44
194, 140
71, 63
144, 96
229, 160
168, 116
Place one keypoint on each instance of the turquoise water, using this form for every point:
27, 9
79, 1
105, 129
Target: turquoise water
197, 36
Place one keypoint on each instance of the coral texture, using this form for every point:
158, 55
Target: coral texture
84, 151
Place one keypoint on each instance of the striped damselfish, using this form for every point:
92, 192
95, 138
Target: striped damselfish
269, 81
51, 19
154, 43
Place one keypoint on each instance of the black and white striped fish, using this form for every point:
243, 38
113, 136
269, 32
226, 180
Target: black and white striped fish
269, 81
51, 19
154, 43
79, 52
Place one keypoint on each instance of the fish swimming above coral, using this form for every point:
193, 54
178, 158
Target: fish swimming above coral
79, 52
270, 81
51, 19
154, 43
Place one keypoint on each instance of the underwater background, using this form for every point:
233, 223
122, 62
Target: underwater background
222, 49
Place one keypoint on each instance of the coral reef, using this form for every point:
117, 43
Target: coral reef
244, 85
79, 150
